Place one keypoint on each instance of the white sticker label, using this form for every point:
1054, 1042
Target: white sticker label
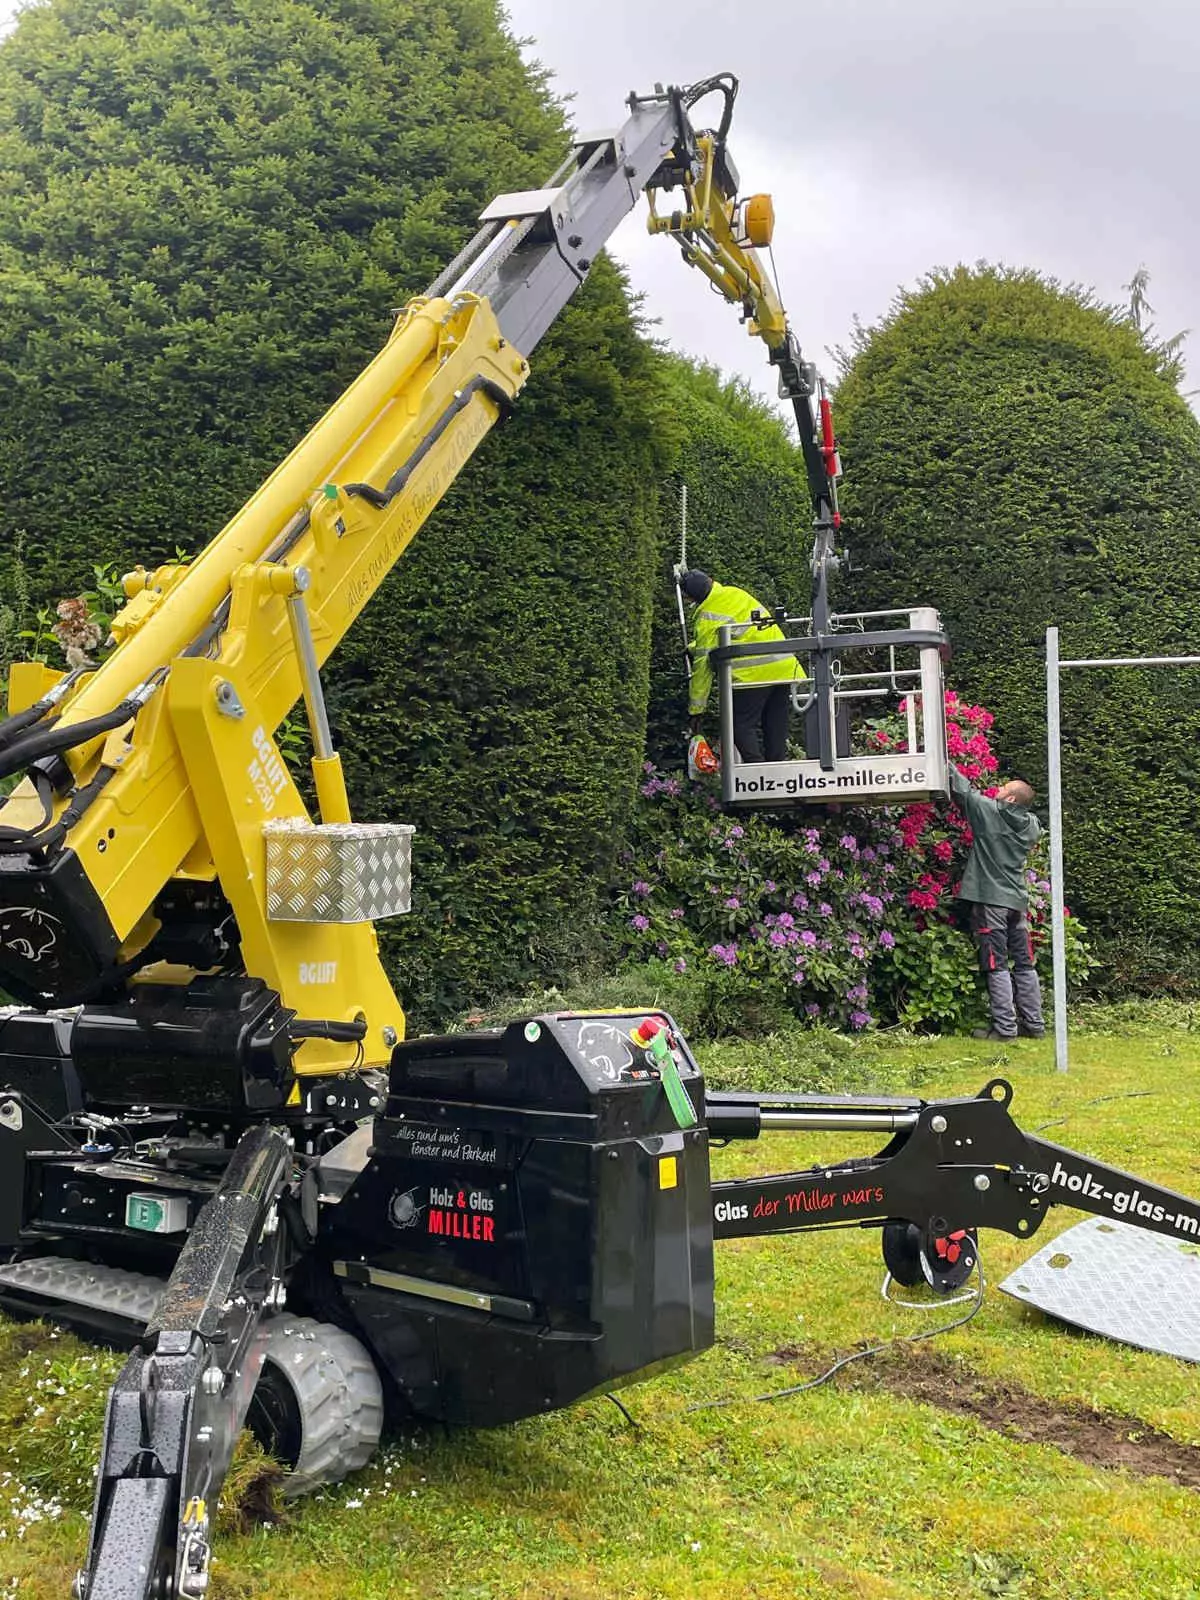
318, 972
266, 772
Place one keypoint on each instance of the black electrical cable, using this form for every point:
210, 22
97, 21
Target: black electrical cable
44, 789
830, 1371
1100, 1099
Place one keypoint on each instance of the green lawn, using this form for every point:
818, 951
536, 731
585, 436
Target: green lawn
853, 1489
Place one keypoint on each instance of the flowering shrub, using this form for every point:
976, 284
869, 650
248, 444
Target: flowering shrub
843, 916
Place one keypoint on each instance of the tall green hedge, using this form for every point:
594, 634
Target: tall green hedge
207, 208
749, 519
1018, 455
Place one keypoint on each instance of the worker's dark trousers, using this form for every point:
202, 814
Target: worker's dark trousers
760, 721
1015, 998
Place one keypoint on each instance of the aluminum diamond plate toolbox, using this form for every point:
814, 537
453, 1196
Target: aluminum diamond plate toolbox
337, 871
1120, 1282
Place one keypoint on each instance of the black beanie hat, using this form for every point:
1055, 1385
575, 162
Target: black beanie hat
696, 584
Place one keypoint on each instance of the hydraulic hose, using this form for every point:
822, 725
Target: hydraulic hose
56, 740
318, 1028
44, 788
17, 841
12, 727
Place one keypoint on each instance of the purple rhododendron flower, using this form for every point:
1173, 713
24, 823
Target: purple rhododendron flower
681, 964
825, 909
800, 902
732, 903
812, 1009
641, 888
812, 877
727, 954
808, 937
860, 1019
887, 939
770, 886
678, 914
778, 939
848, 842
785, 919
663, 949
639, 924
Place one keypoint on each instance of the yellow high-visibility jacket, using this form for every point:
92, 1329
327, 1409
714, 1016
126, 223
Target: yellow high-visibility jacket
724, 605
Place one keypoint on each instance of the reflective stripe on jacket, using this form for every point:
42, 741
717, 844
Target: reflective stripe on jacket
723, 606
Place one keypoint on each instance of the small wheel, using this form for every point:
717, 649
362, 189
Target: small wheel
944, 1260
902, 1253
319, 1402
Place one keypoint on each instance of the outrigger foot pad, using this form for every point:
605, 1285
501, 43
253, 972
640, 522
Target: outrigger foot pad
1120, 1282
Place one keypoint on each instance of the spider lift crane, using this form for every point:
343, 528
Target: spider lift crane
208, 1113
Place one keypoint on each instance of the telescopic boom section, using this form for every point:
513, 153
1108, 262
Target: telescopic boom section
149, 780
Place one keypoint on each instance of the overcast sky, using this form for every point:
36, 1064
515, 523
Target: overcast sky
900, 135
896, 137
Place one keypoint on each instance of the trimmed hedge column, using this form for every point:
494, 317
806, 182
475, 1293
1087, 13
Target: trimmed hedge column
1019, 455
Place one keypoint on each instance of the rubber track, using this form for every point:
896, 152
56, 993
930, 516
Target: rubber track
131, 1295
332, 1377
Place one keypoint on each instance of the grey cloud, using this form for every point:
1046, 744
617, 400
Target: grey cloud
1058, 134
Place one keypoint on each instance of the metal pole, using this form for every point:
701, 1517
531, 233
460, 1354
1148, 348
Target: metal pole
1136, 661
1057, 927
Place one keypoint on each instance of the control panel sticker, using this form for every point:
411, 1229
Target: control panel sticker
668, 1172
604, 1047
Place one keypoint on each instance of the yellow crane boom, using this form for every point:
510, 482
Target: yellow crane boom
134, 853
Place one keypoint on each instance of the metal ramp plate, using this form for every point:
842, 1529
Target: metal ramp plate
1120, 1282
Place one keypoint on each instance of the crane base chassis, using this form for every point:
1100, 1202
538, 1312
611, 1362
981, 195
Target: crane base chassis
525, 1219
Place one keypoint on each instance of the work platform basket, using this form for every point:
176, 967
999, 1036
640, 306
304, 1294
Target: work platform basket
894, 666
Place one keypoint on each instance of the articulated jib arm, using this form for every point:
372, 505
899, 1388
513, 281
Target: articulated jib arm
947, 1165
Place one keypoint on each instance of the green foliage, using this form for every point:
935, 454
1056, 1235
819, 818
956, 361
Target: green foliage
749, 519
206, 214
842, 915
1017, 455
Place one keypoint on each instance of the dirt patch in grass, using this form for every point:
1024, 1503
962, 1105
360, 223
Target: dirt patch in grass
1099, 1438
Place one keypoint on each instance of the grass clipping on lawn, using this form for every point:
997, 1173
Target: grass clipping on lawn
1010, 1458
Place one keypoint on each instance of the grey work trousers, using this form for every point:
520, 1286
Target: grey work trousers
1002, 936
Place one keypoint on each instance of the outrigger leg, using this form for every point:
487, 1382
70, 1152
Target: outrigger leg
948, 1168
175, 1412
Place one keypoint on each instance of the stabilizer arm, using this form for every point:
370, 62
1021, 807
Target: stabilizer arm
176, 1409
949, 1164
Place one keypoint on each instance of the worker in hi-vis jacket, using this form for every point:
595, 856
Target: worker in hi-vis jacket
761, 684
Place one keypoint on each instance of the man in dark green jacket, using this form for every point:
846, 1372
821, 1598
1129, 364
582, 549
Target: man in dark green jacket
993, 886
